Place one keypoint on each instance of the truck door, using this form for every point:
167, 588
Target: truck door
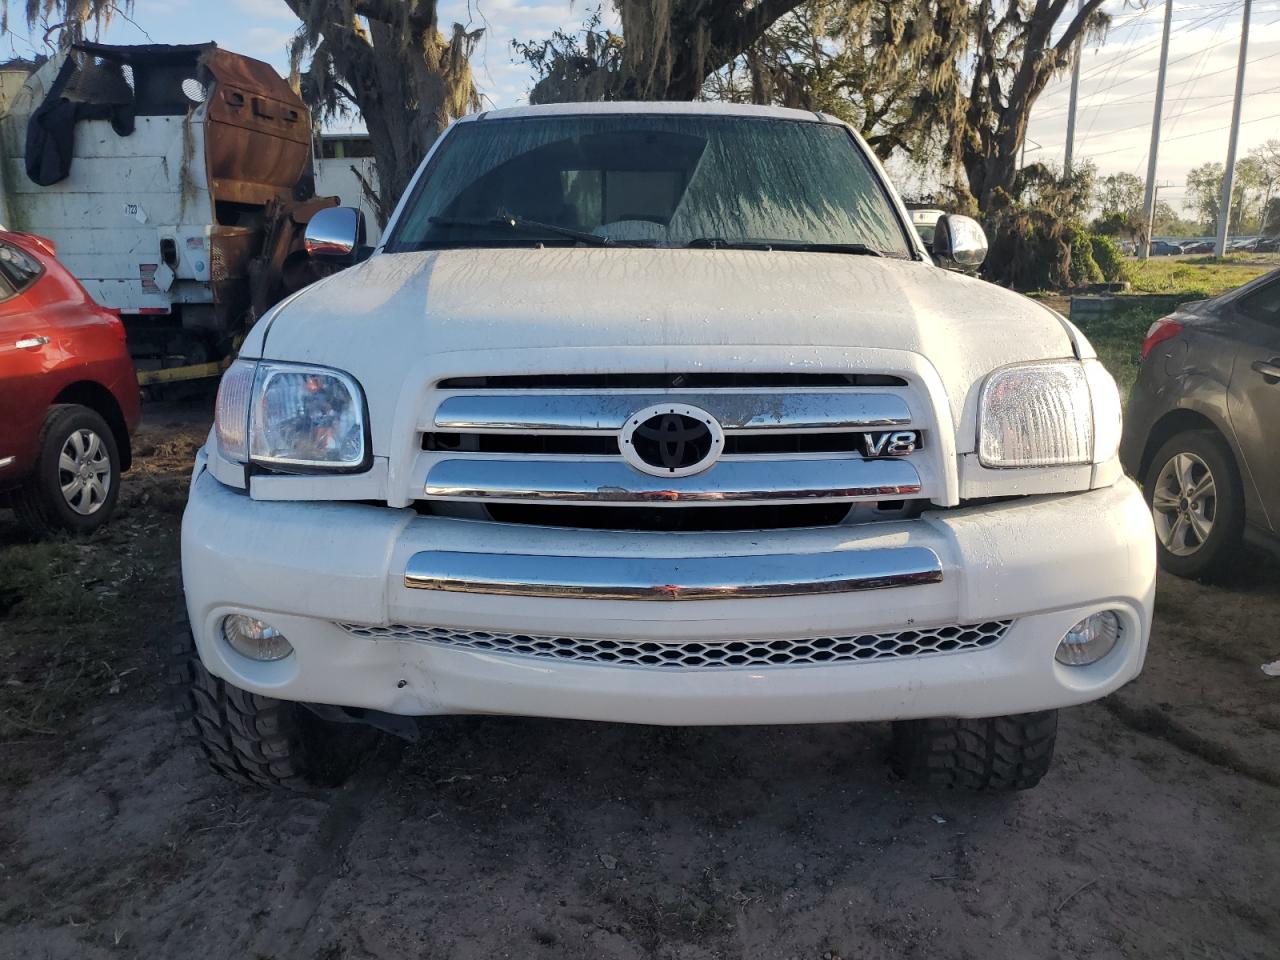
1253, 399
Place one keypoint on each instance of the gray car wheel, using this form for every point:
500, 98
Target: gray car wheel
1184, 503
76, 480
1197, 504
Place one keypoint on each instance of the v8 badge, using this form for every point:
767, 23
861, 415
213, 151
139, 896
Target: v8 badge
897, 444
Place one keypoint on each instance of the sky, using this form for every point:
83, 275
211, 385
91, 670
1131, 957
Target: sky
1117, 86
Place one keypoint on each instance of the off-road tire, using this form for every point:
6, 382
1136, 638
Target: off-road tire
1220, 555
38, 503
990, 754
260, 741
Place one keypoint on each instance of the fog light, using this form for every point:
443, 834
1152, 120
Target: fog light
1089, 640
255, 639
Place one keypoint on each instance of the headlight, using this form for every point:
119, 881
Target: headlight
291, 417
1043, 415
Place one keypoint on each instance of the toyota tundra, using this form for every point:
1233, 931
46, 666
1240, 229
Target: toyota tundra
661, 414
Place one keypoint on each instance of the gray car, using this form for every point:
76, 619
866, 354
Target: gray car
1202, 428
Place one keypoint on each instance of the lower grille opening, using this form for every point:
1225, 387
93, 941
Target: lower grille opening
673, 520
706, 654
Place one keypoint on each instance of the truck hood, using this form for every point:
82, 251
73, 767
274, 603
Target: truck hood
381, 319
473, 299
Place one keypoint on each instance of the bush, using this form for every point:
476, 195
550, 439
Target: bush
1030, 249
1083, 269
1109, 259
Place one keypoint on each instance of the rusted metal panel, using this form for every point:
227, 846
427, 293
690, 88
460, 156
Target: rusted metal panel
284, 265
258, 131
230, 250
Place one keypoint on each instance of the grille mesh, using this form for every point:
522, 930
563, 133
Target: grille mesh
705, 655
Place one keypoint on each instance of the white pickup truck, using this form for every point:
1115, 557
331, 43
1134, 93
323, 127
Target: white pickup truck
663, 414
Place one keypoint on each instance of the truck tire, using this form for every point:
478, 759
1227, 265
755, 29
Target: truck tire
989, 754
1181, 550
76, 480
260, 741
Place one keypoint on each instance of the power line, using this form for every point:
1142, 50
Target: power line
1197, 72
1202, 54
1137, 96
1163, 139
1184, 136
1198, 53
1235, 5
1114, 70
1142, 99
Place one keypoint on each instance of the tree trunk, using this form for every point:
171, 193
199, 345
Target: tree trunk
672, 46
997, 119
404, 78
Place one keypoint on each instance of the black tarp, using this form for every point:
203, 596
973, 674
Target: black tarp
51, 129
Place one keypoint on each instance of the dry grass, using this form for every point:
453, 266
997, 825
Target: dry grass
79, 618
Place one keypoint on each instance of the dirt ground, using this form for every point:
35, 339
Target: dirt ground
1156, 835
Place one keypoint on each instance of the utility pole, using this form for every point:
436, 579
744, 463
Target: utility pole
1152, 224
1229, 176
1035, 147
1149, 206
1075, 95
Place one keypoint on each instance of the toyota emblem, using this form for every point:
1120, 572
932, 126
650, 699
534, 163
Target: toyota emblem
671, 440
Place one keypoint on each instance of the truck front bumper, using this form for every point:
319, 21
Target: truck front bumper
391, 611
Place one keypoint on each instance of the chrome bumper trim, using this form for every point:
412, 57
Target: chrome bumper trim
739, 412
691, 578
614, 482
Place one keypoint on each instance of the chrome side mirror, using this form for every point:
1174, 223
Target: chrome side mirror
959, 243
335, 233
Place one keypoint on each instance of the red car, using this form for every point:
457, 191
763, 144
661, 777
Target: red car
68, 393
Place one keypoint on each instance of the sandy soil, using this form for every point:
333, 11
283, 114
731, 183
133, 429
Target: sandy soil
1156, 835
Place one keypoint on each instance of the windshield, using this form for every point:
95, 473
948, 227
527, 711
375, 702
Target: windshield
650, 180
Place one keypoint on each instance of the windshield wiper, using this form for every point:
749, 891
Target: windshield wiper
717, 243
525, 226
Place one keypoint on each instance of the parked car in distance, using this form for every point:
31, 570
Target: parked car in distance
68, 394
1163, 248
1263, 245
618, 424
1199, 247
1202, 428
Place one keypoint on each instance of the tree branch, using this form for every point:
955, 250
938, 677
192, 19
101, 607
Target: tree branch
391, 12
734, 31
1076, 27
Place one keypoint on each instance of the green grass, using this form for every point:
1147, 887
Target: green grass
1196, 278
1118, 337
1118, 340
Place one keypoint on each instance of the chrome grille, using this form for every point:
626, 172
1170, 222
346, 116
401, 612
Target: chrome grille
704, 655
785, 442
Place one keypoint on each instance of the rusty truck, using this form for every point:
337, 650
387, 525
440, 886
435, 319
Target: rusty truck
175, 183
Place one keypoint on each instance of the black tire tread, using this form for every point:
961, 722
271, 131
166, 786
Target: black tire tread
989, 754
247, 738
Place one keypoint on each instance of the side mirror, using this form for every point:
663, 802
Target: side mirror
335, 233
959, 243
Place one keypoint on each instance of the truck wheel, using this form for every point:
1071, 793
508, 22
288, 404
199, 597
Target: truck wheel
256, 740
1197, 503
76, 480
990, 754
